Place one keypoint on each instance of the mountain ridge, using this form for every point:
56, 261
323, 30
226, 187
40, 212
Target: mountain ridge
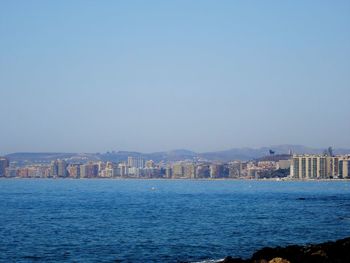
244, 154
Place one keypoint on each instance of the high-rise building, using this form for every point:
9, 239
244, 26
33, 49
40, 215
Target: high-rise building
74, 170
101, 167
190, 170
54, 168
168, 172
62, 168
344, 167
315, 166
235, 169
89, 170
58, 168
136, 162
203, 171
178, 170
216, 170
4, 163
123, 169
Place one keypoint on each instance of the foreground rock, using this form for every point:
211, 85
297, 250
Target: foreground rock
329, 252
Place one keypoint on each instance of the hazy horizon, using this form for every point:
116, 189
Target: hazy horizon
152, 76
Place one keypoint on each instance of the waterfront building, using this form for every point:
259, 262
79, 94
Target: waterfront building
315, 166
4, 163
190, 170
31, 171
101, 167
11, 172
109, 165
62, 168
89, 170
235, 169
74, 170
35, 171
168, 172
123, 169
116, 172
202, 171
344, 167
151, 173
178, 170
110, 170
58, 168
107, 172
253, 172
136, 162
23, 172
54, 168
134, 171
216, 170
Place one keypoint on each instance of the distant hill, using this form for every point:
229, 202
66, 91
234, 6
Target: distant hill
38, 156
175, 155
29, 157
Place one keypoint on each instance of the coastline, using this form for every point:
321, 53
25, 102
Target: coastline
181, 179
328, 252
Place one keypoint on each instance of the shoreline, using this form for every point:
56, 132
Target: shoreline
327, 252
180, 179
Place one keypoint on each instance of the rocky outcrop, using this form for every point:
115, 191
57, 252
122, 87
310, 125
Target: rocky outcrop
329, 252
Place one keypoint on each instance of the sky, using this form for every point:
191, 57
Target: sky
95, 76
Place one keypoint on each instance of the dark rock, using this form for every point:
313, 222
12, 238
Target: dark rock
328, 252
291, 253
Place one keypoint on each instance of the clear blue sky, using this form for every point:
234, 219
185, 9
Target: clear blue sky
92, 76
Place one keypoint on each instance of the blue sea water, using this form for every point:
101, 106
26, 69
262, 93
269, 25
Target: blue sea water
164, 220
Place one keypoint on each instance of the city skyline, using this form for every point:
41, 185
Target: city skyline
283, 166
153, 76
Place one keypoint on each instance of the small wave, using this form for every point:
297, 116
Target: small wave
318, 198
32, 257
209, 261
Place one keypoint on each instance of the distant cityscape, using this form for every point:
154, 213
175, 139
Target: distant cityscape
279, 166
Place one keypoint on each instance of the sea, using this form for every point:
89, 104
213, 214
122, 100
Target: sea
104, 220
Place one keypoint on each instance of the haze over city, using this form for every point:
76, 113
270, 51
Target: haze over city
175, 131
87, 76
